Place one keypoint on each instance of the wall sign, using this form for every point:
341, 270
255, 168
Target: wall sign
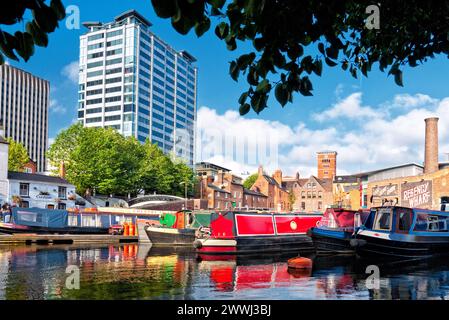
386, 191
417, 194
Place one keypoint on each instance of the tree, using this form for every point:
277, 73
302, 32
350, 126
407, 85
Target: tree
18, 155
290, 39
45, 20
104, 160
291, 198
248, 183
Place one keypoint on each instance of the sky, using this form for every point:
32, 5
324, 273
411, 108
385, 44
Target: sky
371, 122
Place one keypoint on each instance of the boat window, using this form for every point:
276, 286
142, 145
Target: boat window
431, 223
404, 219
383, 219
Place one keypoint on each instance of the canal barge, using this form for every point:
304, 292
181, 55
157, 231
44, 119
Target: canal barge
251, 232
43, 221
178, 229
335, 230
403, 233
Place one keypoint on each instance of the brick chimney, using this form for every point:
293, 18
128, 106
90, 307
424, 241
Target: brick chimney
62, 169
431, 145
260, 171
277, 175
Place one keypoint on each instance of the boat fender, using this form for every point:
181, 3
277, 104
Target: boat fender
357, 243
197, 244
299, 263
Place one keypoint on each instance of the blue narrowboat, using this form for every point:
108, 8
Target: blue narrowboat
403, 233
335, 230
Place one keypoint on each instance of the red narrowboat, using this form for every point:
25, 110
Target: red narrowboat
252, 232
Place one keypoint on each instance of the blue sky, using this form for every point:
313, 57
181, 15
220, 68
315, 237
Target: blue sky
349, 108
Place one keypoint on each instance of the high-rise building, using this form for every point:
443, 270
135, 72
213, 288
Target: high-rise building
24, 101
327, 164
136, 83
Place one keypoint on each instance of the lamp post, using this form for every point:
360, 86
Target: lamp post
185, 183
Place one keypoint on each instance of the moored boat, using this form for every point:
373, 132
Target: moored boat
251, 232
44, 221
176, 229
336, 229
398, 232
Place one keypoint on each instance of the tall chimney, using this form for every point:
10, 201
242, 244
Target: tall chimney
62, 169
431, 145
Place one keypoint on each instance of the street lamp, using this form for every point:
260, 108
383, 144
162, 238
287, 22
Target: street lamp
185, 183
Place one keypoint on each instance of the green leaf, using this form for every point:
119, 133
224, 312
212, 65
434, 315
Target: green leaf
165, 8
398, 78
217, 4
244, 109
321, 48
281, 94
234, 70
264, 86
40, 38
243, 97
318, 67
329, 62
202, 27
58, 8
7, 44
45, 18
222, 30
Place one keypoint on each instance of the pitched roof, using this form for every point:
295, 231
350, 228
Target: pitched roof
346, 179
253, 192
12, 175
215, 188
272, 181
325, 183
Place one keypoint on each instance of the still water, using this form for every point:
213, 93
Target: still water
141, 272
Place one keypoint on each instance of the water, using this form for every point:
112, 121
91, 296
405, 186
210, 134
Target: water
141, 272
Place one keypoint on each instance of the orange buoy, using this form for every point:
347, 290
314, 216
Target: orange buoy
299, 263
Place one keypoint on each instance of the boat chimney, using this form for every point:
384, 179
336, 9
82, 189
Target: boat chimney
431, 145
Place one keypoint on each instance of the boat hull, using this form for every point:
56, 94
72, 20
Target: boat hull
409, 247
9, 228
246, 245
170, 236
331, 241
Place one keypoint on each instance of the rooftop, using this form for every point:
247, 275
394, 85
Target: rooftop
208, 165
35, 177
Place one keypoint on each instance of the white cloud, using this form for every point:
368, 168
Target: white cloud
375, 138
71, 71
56, 107
408, 101
350, 108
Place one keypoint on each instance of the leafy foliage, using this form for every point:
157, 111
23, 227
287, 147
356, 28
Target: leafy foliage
104, 160
334, 32
18, 155
291, 199
248, 183
45, 21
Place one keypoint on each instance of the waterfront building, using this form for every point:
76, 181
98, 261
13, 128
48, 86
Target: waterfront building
408, 185
271, 187
30, 190
310, 194
133, 81
24, 102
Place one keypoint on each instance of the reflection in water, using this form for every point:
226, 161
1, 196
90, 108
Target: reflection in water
140, 272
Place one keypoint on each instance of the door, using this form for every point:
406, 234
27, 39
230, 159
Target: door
404, 219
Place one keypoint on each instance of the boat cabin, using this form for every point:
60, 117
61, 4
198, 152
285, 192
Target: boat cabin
407, 220
342, 219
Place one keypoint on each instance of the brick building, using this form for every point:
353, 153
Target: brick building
311, 194
223, 190
271, 186
327, 164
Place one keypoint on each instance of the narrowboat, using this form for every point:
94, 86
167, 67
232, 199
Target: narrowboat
403, 233
43, 221
336, 229
251, 232
177, 229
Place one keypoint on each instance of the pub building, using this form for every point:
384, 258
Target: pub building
428, 189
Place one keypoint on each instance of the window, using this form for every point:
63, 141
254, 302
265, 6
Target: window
303, 194
24, 204
62, 192
50, 206
24, 189
431, 223
383, 219
62, 206
95, 37
405, 218
320, 205
303, 206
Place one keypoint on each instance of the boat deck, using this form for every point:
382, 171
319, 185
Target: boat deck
64, 238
